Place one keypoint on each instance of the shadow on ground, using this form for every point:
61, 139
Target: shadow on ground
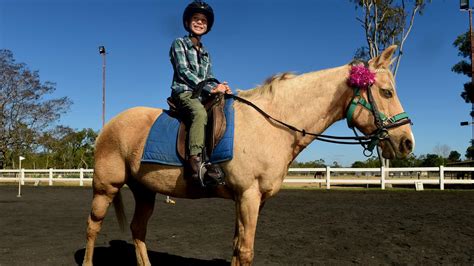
122, 253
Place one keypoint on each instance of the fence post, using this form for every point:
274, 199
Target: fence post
441, 177
382, 177
328, 177
22, 176
50, 176
81, 177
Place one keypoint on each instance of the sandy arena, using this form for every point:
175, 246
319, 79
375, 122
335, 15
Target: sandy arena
46, 226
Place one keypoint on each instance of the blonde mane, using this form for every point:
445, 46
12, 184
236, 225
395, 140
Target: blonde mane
268, 86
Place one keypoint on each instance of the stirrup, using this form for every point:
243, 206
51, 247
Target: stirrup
208, 181
201, 174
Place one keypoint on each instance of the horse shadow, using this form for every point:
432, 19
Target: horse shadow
122, 253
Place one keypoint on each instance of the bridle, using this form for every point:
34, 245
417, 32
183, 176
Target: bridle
382, 122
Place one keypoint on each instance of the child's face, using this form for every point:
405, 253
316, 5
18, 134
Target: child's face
198, 24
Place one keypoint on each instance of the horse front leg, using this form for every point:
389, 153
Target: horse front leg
144, 205
247, 210
237, 227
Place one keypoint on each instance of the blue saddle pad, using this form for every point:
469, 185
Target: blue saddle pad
160, 146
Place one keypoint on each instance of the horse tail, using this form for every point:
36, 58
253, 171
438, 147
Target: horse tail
119, 211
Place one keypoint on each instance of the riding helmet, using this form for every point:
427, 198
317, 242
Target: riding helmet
198, 6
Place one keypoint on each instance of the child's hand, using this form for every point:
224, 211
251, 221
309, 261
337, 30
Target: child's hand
222, 88
227, 88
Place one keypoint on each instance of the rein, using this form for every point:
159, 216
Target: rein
368, 142
364, 140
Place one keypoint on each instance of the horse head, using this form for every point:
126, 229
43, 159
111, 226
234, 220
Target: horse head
375, 108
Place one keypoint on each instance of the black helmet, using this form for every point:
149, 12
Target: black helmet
198, 7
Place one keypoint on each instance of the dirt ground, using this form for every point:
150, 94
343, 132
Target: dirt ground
46, 226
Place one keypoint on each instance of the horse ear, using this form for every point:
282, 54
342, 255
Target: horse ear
385, 59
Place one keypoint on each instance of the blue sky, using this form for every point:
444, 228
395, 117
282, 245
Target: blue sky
250, 41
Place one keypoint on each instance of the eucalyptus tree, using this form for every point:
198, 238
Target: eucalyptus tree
387, 22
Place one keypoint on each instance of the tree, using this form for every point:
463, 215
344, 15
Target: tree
310, 164
24, 110
442, 150
372, 162
387, 22
66, 148
454, 156
432, 160
470, 151
463, 43
410, 161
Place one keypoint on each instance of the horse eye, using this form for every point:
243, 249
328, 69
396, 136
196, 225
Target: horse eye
386, 93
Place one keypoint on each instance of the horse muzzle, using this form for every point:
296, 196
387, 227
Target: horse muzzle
397, 147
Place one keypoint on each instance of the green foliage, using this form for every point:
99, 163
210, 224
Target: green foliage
311, 164
428, 160
431, 160
470, 152
454, 156
464, 67
63, 148
410, 161
27, 112
67, 148
386, 22
463, 43
372, 162
26, 109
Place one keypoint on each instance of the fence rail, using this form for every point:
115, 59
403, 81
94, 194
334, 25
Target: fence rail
328, 176
47, 175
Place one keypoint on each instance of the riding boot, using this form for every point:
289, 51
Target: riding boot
195, 166
214, 175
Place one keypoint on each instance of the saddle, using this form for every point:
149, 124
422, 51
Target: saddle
215, 129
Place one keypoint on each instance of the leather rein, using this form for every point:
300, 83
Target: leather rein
368, 142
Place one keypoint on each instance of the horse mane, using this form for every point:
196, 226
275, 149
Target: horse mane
268, 86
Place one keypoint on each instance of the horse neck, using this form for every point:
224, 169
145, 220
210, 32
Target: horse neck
312, 101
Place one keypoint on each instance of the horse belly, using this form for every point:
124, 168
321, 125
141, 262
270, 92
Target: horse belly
169, 180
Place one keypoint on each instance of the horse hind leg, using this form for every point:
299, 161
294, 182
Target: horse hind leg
105, 192
144, 205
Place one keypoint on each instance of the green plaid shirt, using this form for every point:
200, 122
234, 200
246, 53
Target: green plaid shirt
190, 67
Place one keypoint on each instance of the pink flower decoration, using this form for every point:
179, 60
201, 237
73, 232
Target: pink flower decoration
361, 77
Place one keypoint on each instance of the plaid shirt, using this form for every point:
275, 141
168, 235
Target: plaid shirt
190, 66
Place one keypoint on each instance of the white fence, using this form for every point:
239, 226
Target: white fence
328, 176
47, 175
383, 176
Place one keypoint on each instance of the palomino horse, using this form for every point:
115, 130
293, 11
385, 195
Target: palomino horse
263, 149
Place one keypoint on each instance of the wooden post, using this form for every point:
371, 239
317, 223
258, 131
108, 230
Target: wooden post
81, 177
50, 176
441, 177
382, 177
328, 177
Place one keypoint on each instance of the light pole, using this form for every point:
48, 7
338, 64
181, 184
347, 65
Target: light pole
103, 53
464, 6
20, 158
